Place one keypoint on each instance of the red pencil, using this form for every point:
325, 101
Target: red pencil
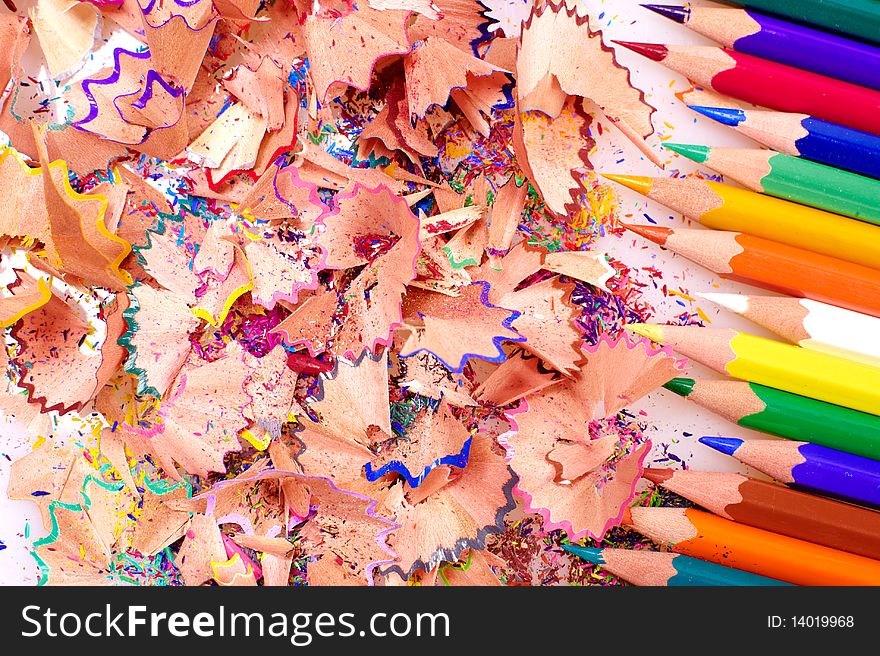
766, 83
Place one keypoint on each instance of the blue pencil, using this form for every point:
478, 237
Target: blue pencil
658, 568
807, 466
804, 136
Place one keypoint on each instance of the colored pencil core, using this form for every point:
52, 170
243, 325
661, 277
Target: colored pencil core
652, 332
590, 554
657, 476
726, 445
694, 152
681, 386
672, 12
655, 234
721, 114
640, 183
654, 51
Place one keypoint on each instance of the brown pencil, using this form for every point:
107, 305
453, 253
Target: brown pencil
777, 508
774, 266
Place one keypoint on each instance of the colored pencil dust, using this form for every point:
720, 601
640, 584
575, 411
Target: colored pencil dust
807, 466
774, 266
774, 364
804, 136
276, 277
331, 293
724, 207
809, 324
785, 414
768, 84
781, 41
656, 568
776, 508
715, 539
792, 178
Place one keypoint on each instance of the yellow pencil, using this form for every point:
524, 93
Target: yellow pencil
723, 207
774, 364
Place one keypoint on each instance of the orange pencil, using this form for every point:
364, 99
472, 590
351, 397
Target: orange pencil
771, 265
707, 537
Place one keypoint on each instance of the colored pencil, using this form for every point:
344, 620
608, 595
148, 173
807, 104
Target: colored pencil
804, 136
807, 466
724, 207
664, 568
785, 414
774, 364
774, 266
707, 537
781, 41
810, 324
776, 508
775, 86
792, 178
857, 18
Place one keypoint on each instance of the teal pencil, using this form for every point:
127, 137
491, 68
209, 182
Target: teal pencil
659, 568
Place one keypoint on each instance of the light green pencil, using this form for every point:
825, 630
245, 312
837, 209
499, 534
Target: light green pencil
792, 178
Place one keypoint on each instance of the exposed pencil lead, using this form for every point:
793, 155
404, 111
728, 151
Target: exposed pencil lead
726, 445
654, 51
672, 12
723, 115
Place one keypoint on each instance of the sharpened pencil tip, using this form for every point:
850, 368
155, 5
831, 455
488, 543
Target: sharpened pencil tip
590, 554
657, 476
672, 12
653, 51
654, 233
639, 183
721, 114
737, 303
681, 386
726, 445
694, 152
649, 330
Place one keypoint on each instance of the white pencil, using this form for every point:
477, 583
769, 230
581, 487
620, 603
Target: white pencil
810, 324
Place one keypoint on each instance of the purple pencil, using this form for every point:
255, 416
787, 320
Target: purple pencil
788, 43
807, 466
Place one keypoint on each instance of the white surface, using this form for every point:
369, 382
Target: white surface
672, 422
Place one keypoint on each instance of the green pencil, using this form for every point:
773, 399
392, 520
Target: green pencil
792, 178
787, 415
858, 18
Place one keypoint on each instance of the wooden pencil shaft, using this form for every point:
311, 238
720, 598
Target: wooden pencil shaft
778, 509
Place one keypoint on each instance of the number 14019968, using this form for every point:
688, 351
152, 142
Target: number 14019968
811, 622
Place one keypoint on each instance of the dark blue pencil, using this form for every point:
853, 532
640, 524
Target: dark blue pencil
804, 136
